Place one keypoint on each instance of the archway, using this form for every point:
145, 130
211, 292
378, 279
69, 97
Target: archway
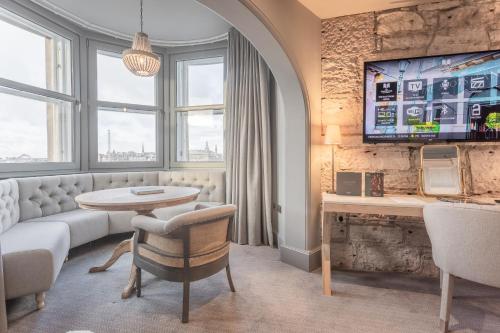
295, 159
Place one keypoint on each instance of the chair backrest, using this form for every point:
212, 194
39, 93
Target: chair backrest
212, 183
465, 241
207, 229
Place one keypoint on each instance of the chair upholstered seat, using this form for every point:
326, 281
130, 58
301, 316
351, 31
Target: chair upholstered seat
84, 225
31, 266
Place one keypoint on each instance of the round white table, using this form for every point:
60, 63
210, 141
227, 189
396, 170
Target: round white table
121, 199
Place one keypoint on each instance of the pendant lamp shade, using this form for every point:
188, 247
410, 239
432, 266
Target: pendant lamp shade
140, 59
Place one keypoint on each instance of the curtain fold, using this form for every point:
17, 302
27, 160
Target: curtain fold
248, 142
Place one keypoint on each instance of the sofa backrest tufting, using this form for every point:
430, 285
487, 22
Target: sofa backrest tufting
26, 198
104, 181
210, 182
9, 204
42, 196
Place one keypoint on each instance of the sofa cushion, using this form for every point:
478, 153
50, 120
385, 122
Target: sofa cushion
44, 196
9, 204
104, 181
33, 254
121, 221
212, 183
84, 225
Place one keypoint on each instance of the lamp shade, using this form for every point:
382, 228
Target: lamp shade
140, 59
332, 135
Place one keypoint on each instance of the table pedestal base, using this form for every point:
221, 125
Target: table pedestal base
122, 248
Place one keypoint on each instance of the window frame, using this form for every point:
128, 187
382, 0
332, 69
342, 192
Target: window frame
93, 105
38, 21
174, 109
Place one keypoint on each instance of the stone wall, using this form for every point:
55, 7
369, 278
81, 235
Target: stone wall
392, 243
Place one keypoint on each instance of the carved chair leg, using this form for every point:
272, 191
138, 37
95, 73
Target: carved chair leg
446, 299
185, 303
229, 279
40, 300
138, 281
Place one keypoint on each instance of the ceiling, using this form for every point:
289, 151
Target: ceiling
333, 8
167, 22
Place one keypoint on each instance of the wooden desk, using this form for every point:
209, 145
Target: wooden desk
404, 205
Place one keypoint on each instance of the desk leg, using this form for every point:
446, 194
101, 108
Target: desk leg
326, 266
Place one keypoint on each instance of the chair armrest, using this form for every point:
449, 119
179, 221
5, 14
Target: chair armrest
3, 311
149, 224
161, 227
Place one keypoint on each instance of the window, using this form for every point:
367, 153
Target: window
126, 113
198, 108
116, 84
36, 96
115, 139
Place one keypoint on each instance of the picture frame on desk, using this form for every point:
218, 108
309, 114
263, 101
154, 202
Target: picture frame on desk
349, 183
374, 184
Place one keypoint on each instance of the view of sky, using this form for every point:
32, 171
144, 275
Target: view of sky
115, 83
24, 58
23, 124
129, 130
204, 127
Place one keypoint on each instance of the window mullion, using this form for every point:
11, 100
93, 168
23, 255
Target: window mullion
22, 87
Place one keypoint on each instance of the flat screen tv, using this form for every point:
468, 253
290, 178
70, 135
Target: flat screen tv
440, 98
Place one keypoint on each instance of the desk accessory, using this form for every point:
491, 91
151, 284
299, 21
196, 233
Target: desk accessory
441, 173
374, 184
349, 183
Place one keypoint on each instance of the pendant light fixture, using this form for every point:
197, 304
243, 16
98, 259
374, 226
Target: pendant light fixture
140, 59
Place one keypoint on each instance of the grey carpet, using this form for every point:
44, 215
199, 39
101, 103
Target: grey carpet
271, 297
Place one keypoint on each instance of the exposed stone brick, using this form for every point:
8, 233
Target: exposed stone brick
375, 234
398, 22
442, 5
457, 40
410, 41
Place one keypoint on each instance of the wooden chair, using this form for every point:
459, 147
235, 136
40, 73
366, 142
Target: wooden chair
186, 248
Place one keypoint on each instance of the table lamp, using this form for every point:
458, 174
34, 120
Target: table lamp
332, 137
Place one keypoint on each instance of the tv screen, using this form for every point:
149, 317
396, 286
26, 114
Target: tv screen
439, 98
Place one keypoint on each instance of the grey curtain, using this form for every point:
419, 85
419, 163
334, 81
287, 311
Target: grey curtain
248, 142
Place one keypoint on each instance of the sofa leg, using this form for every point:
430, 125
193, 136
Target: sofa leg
40, 300
446, 299
185, 302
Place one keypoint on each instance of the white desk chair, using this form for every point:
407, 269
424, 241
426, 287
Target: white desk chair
465, 244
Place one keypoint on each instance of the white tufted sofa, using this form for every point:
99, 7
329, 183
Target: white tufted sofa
40, 220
